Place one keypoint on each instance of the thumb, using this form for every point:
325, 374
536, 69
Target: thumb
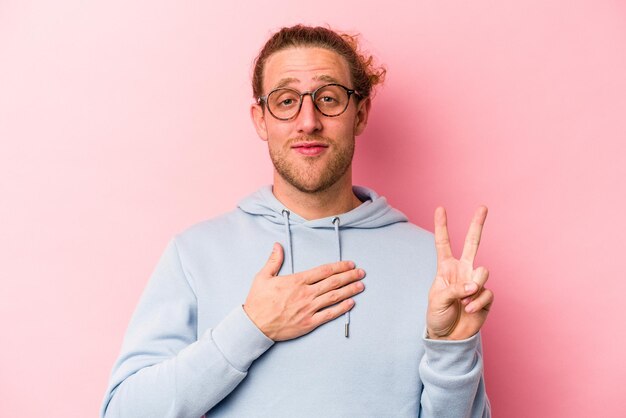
272, 266
459, 291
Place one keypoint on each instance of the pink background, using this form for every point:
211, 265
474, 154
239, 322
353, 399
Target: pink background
122, 123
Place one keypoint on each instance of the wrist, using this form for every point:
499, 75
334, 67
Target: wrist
432, 336
264, 328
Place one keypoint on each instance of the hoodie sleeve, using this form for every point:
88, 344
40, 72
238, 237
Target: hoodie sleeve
452, 374
165, 369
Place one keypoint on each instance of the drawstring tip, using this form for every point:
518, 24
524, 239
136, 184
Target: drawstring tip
347, 330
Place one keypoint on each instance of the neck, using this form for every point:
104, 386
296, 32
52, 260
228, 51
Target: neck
337, 199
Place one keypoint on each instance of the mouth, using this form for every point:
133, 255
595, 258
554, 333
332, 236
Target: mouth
309, 148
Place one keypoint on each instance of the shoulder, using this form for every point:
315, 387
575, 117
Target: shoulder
410, 233
209, 232
216, 223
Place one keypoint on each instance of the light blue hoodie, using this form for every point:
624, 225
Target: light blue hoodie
190, 349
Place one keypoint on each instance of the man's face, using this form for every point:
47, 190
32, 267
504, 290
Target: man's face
311, 152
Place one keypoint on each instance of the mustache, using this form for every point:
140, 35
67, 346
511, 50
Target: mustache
309, 138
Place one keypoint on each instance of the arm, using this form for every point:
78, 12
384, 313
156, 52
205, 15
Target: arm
165, 368
458, 305
452, 375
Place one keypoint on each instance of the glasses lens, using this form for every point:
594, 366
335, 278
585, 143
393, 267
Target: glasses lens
283, 103
331, 100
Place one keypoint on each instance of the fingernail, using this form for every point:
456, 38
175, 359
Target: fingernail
360, 285
351, 264
361, 273
470, 287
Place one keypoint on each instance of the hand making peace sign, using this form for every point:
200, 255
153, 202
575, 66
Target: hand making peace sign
458, 302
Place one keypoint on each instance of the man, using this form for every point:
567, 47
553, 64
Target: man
301, 337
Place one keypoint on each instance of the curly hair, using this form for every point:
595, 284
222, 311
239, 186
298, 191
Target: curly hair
365, 74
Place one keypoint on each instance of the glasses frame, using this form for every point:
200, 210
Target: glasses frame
263, 100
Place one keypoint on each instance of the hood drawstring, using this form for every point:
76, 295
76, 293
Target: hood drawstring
336, 222
286, 214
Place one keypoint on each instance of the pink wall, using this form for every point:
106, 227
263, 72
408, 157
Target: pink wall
112, 140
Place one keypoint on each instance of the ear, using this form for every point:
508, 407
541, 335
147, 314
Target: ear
257, 114
362, 113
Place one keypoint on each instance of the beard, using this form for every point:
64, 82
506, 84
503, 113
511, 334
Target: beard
307, 174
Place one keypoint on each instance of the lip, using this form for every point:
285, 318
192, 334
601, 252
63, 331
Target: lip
310, 148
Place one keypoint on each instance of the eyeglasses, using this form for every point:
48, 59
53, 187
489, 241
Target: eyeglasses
330, 100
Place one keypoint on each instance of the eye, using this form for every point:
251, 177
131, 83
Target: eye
327, 99
283, 98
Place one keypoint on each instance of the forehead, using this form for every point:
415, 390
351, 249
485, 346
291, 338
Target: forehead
305, 68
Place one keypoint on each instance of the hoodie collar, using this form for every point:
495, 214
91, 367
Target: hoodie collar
374, 212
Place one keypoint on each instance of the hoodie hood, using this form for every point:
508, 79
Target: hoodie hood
374, 212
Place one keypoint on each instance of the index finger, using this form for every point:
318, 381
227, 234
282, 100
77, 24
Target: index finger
442, 239
318, 273
472, 240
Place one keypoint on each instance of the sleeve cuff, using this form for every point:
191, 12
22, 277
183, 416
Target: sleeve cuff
452, 357
239, 340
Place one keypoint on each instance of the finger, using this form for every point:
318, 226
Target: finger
457, 291
274, 262
338, 280
338, 295
332, 312
480, 276
472, 240
483, 301
442, 239
318, 273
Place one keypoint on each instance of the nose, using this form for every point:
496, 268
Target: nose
308, 120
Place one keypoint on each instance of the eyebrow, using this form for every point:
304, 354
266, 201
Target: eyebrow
327, 78
284, 82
